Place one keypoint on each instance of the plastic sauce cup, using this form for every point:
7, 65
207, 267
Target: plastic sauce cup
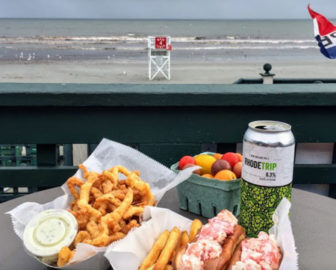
49, 231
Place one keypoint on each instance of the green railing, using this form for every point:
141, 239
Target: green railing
163, 121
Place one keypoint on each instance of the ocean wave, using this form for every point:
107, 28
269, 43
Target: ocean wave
134, 43
209, 48
67, 39
287, 47
122, 38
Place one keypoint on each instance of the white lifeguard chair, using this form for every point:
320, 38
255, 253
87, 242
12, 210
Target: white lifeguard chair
159, 49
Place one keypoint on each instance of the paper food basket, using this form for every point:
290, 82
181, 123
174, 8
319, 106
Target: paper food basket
107, 155
129, 252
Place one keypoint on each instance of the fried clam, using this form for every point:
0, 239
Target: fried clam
107, 186
134, 181
93, 229
133, 211
106, 198
82, 237
96, 192
83, 201
64, 256
72, 183
82, 218
111, 181
105, 203
133, 223
112, 219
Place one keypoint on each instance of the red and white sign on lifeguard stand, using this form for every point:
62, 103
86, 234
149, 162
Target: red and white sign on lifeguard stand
159, 49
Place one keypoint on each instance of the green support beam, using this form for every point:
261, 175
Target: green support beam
35, 176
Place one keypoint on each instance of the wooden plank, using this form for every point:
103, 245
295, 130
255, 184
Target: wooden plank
46, 154
172, 125
226, 147
35, 176
56, 176
84, 95
68, 157
315, 174
332, 191
332, 187
91, 147
9, 196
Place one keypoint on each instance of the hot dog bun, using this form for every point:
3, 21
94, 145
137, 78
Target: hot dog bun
178, 257
228, 248
235, 257
272, 258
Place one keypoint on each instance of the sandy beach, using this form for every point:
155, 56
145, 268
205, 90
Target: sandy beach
115, 51
104, 71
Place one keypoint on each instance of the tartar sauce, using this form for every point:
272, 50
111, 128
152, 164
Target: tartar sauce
49, 231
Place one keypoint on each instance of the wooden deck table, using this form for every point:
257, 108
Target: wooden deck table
313, 220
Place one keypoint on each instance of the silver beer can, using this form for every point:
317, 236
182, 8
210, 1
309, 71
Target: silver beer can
267, 173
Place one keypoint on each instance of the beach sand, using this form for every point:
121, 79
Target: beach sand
104, 71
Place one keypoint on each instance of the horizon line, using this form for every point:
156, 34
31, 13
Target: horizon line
180, 19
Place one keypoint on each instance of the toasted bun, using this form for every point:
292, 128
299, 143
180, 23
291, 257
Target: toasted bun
178, 257
223, 260
229, 247
235, 257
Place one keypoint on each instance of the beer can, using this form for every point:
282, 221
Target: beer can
267, 173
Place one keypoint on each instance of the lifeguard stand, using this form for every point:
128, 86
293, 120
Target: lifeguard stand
159, 56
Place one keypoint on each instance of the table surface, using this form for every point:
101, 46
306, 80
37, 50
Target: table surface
313, 221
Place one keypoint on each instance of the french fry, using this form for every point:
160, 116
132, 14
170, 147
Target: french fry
194, 230
173, 254
155, 251
184, 239
176, 242
168, 249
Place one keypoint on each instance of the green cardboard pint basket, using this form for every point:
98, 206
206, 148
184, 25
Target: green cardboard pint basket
206, 197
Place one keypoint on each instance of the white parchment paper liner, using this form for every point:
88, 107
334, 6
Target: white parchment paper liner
129, 252
282, 230
107, 154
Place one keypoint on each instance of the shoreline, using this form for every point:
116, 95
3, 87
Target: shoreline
182, 72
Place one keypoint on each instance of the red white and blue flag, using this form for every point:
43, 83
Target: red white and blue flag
325, 34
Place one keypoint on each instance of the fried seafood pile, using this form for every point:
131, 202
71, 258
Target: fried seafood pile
106, 206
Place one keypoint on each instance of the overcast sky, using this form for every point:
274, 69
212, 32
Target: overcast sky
174, 9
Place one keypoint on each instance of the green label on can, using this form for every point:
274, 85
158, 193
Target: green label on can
258, 204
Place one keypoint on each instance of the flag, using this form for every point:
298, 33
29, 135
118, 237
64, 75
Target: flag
325, 34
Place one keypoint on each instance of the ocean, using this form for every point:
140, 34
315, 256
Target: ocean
35, 40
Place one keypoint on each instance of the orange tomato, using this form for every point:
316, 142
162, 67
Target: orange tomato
226, 175
217, 156
240, 157
207, 175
